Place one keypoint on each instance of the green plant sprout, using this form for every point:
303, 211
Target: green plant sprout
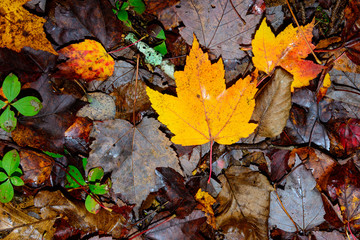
161, 48
27, 106
93, 185
121, 11
9, 175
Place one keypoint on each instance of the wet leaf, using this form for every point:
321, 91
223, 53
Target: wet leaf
204, 110
244, 203
87, 60
217, 26
37, 167
272, 105
301, 200
74, 212
20, 28
206, 201
288, 50
131, 154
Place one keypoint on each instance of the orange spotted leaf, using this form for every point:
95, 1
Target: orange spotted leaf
19, 28
288, 50
87, 60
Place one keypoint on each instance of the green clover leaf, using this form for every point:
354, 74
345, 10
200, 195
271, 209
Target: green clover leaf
91, 205
11, 87
28, 106
75, 173
6, 192
8, 120
10, 162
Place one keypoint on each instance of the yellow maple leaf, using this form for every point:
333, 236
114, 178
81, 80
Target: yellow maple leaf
204, 110
206, 201
87, 60
20, 28
288, 50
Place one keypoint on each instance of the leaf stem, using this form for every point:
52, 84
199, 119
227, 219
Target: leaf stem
118, 50
211, 153
284, 209
232, 4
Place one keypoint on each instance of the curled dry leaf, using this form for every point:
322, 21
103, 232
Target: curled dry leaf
244, 203
272, 105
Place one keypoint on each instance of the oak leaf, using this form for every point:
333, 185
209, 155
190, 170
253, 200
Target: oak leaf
204, 110
87, 60
288, 50
19, 28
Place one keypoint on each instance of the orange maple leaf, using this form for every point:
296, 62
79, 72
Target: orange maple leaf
19, 28
288, 50
204, 109
87, 60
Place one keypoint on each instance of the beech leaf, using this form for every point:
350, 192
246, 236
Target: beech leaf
88, 60
273, 104
204, 110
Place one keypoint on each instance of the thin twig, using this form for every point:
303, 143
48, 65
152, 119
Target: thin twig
302, 33
243, 21
284, 209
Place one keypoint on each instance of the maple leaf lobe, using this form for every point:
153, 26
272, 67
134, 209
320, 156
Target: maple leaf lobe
204, 110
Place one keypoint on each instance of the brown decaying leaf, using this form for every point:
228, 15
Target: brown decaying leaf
125, 96
74, 20
77, 136
244, 203
320, 164
334, 235
52, 204
36, 166
344, 185
217, 26
301, 200
175, 192
131, 154
12, 217
39, 131
272, 104
188, 228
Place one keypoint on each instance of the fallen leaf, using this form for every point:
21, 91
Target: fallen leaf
188, 228
320, 164
244, 203
206, 201
301, 200
131, 154
87, 60
348, 134
23, 226
288, 50
345, 87
217, 25
124, 73
39, 131
344, 186
351, 31
272, 104
75, 20
53, 204
204, 110
334, 235
125, 96
37, 167
20, 28
175, 191
77, 136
